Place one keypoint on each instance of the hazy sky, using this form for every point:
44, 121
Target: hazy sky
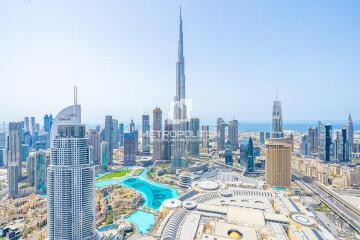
122, 54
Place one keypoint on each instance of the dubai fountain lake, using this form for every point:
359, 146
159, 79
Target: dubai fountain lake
154, 194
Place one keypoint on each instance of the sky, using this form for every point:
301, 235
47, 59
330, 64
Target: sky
122, 56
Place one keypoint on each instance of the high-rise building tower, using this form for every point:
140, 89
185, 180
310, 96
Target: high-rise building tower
304, 145
262, 138
250, 157
108, 134
167, 141
94, 137
180, 123
13, 158
233, 131
2, 148
312, 141
194, 140
180, 66
104, 155
205, 137
132, 125
220, 134
136, 133
115, 133
145, 134
350, 136
40, 171
157, 122
2, 157
26, 124
129, 148
36, 168
343, 146
278, 162
32, 124
228, 154
48, 119
325, 141
71, 179
2, 140
277, 121
30, 166
121, 134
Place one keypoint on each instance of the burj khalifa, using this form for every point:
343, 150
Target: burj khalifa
180, 123
180, 66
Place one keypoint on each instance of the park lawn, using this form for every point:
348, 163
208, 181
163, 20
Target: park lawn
112, 175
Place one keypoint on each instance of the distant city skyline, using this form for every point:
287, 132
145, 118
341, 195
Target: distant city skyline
122, 56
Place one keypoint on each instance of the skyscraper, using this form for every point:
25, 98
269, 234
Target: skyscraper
48, 119
132, 125
115, 133
129, 149
2, 157
121, 134
194, 140
24, 152
205, 137
157, 143
312, 141
94, 137
233, 131
228, 153
328, 142
2, 140
220, 134
40, 171
26, 124
36, 168
250, 158
343, 146
180, 66
278, 162
167, 141
136, 133
71, 179
30, 166
277, 122
13, 158
108, 134
350, 135
104, 155
262, 138
145, 134
2, 148
180, 123
32, 124
304, 145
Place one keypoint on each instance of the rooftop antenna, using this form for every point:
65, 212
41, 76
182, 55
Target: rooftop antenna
276, 96
75, 95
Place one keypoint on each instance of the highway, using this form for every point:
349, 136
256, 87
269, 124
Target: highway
342, 208
220, 162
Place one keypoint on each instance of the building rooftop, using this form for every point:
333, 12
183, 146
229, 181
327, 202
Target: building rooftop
241, 213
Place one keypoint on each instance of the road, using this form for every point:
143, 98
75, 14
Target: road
219, 162
344, 210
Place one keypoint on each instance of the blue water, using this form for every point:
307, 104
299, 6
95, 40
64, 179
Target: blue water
107, 227
143, 220
154, 194
284, 189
